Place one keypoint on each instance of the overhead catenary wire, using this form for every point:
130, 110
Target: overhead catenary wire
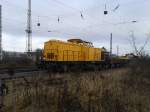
56, 31
116, 8
70, 7
66, 5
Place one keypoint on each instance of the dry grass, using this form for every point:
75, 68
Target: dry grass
119, 90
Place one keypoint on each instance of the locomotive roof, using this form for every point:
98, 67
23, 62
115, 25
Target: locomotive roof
77, 41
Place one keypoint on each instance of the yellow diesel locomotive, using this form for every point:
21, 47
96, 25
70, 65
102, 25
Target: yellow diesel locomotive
72, 51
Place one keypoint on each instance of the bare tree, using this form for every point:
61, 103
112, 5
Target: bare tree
133, 43
141, 51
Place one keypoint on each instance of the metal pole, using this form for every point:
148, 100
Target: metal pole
117, 50
29, 29
110, 44
1, 51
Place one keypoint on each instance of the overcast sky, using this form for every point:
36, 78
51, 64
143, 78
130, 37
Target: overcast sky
95, 27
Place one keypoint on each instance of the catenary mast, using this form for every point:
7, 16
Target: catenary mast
1, 49
29, 29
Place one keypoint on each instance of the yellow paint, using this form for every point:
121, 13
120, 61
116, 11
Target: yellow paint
55, 50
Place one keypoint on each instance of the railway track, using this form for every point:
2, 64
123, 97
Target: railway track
19, 73
4, 71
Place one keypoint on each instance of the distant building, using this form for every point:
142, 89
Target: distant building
13, 54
